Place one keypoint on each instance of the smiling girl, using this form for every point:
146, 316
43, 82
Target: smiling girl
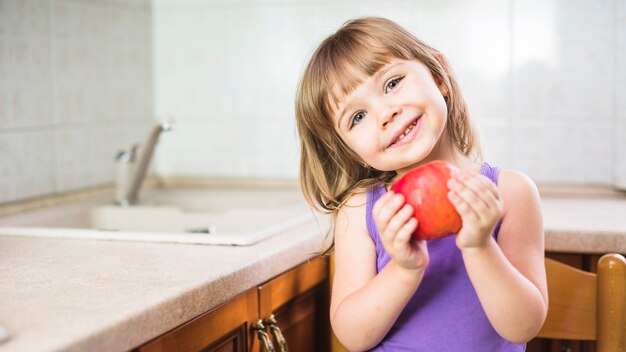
373, 103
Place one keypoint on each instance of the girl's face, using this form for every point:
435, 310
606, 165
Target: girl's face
394, 119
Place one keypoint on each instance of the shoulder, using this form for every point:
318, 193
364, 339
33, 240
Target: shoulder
517, 189
522, 222
356, 199
352, 213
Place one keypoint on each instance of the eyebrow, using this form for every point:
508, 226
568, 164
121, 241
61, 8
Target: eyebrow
376, 76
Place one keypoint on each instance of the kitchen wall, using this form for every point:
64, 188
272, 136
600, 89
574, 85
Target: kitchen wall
75, 86
545, 80
80, 79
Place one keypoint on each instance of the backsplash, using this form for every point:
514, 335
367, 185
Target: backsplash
545, 80
75, 86
80, 79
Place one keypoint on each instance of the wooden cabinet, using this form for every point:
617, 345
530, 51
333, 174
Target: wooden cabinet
295, 303
299, 300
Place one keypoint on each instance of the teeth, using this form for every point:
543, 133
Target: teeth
408, 129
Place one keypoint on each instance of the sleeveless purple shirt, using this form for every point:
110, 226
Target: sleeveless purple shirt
444, 314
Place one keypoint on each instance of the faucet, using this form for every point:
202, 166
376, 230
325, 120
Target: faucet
132, 172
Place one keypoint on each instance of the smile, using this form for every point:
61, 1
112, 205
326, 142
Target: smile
407, 131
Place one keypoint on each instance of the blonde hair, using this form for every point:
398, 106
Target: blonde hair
329, 170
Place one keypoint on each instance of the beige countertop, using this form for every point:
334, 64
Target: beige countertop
76, 295
584, 220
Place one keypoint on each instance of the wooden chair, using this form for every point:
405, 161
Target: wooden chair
587, 306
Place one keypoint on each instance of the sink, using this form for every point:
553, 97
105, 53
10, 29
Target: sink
217, 216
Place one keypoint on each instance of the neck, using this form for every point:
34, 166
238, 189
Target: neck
447, 151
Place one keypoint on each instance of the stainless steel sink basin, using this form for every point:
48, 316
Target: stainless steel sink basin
220, 216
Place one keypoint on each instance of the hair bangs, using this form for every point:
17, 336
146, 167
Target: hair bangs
349, 60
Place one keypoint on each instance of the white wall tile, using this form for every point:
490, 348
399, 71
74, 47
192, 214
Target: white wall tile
597, 157
80, 30
75, 86
269, 149
225, 149
496, 134
619, 152
563, 151
544, 80
191, 57
619, 124
103, 63
200, 148
523, 68
26, 164
561, 54
86, 154
333, 14
25, 64
478, 47
270, 45
541, 150
620, 57
76, 149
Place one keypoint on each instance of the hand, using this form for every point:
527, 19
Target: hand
396, 224
478, 201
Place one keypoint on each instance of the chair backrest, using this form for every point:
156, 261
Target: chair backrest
587, 306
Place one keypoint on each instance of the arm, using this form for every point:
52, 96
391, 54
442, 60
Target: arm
508, 276
364, 305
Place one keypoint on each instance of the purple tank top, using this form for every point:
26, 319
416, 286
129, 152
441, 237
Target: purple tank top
444, 314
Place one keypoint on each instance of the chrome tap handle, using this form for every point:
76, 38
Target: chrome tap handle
145, 150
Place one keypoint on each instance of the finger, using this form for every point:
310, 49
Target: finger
400, 218
462, 207
478, 182
488, 191
403, 236
405, 233
380, 203
389, 208
396, 223
475, 198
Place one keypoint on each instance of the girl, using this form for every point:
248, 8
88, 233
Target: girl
373, 103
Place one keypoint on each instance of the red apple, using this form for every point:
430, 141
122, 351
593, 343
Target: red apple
425, 189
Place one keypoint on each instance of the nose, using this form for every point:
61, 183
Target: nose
388, 114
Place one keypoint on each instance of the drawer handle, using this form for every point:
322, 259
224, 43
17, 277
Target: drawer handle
278, 335
259, 328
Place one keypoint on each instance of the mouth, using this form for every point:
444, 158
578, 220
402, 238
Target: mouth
407, 131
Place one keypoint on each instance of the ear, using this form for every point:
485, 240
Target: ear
443, 88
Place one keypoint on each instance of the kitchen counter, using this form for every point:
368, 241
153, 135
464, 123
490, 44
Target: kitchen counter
584, 220
76, 295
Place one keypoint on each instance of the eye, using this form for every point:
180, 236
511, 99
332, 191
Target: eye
357, 118
392, 84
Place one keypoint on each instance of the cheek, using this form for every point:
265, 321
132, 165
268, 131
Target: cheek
440, 109
363, 144
352, 142
361, 147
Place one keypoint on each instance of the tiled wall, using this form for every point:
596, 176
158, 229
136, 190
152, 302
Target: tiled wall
80, 79
546, 80
75, 86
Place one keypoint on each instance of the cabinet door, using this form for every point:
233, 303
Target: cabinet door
225, 328
299, 301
